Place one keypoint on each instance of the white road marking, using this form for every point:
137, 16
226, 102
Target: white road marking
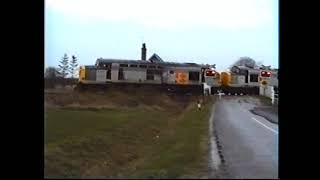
265, 125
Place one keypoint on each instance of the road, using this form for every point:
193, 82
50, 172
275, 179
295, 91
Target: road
248, 142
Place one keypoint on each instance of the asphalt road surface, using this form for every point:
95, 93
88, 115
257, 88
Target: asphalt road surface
248, 142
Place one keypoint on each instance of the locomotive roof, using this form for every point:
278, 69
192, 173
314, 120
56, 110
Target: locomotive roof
100, 60
155, 58
90, 67
120, 61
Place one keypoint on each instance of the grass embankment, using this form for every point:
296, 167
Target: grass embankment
142, 141
265, 101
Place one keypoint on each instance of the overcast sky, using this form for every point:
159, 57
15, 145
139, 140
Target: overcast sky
201, 31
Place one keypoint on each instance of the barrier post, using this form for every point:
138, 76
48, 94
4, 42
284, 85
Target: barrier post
272, 95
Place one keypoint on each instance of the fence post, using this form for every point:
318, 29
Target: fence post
272, 94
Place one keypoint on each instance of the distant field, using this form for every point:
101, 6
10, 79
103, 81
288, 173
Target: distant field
134, 142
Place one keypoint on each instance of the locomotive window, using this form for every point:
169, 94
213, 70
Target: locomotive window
133, 65
152, 66
159, 67
123, 65
150, 75
143, 66
194, 76
105, 66
109, 74
120, 74
253, 78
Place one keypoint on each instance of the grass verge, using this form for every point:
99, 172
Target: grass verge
134, 142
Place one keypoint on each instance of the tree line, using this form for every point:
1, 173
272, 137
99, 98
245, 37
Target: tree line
59, 75
65, 67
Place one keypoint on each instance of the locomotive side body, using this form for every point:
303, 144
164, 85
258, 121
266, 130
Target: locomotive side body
243, 80
182, 76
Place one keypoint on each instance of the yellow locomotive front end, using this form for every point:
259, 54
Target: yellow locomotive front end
82, 74
225, 79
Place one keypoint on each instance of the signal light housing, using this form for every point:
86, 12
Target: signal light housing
265, 73
210, 73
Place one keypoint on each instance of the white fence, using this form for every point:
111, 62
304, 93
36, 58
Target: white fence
268, 91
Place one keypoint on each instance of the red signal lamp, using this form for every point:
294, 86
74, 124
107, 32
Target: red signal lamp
210, 73
265, 73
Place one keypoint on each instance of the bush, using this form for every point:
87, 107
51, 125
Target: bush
53, 82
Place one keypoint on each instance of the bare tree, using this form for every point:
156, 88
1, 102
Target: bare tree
259, 64
51, 72
51, 76
245, 61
